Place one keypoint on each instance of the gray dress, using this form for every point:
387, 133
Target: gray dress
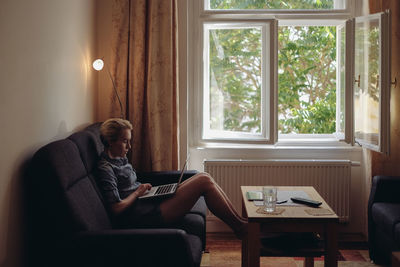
117, 180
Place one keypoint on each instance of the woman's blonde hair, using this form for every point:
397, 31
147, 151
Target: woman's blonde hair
111, 129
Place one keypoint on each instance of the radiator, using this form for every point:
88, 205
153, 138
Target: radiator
331, 178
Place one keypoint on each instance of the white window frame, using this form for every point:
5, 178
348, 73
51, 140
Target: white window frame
268, 88
348, 6
200, 15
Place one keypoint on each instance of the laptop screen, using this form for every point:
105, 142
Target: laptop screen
183, 169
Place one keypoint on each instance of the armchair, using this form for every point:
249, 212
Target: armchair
68, 224
384, 218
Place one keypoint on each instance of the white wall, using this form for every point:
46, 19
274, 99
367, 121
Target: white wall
46, 91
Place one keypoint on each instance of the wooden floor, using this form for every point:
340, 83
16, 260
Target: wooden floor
224, 250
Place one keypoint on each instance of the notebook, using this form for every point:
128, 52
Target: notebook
166, 189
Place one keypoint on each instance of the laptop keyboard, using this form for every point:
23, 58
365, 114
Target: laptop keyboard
164, 189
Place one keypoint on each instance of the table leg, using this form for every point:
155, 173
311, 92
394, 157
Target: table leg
331, 245
245, 240
251, 246
245, 257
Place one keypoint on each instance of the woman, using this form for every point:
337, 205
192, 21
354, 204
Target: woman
121, 190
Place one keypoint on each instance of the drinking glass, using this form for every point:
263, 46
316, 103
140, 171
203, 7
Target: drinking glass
269, 196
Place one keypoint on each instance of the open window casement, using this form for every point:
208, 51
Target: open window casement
363, 85
371, 87
344, 85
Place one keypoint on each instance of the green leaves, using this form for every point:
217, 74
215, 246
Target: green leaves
235, 79
307, 80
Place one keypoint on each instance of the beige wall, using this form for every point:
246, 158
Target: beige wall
105, 87
46, 91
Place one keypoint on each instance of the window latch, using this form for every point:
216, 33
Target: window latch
358, 81
394, 82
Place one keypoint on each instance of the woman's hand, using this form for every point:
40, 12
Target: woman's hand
142, 189
125, 203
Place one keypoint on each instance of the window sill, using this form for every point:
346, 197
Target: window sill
284, 145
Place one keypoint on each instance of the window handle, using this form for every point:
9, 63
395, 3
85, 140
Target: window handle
358, 81
394, 82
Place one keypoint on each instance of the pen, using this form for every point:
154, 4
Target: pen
281, 202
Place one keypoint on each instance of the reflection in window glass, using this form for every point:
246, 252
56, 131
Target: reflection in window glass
367, 91
234, 82
276, 4
340, 116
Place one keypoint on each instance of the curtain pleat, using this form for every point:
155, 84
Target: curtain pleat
144, 64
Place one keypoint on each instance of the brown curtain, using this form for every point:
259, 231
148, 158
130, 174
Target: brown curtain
144, 65
375, 6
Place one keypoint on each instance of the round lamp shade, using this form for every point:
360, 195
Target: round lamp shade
98, 64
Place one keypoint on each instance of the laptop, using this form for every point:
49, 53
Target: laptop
167, 189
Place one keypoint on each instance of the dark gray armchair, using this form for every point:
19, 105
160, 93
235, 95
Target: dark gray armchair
384, 218
68, 225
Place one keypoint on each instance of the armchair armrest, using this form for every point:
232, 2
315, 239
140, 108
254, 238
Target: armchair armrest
133, 247
163, 177
128, 237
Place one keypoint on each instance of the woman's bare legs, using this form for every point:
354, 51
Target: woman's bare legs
229, 202
189, 192
226, 197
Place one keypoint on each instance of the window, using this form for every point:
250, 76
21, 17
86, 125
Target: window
269, 70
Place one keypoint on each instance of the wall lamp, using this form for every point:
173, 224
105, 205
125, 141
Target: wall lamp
98, 65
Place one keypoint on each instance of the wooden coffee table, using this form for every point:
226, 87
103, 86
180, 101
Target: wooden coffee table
293, 219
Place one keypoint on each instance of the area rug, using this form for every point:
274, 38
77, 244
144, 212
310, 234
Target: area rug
226, 252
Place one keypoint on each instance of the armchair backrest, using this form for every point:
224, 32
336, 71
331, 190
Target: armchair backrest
62, 180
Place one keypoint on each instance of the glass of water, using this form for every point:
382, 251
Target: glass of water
269, 196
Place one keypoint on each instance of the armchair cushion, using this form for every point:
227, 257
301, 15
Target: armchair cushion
177, 247
386, 216
193, 224
396, 233
200, 208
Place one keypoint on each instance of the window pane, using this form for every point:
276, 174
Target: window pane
341, 86
276, 4
367, 91
307, 79
234, 82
